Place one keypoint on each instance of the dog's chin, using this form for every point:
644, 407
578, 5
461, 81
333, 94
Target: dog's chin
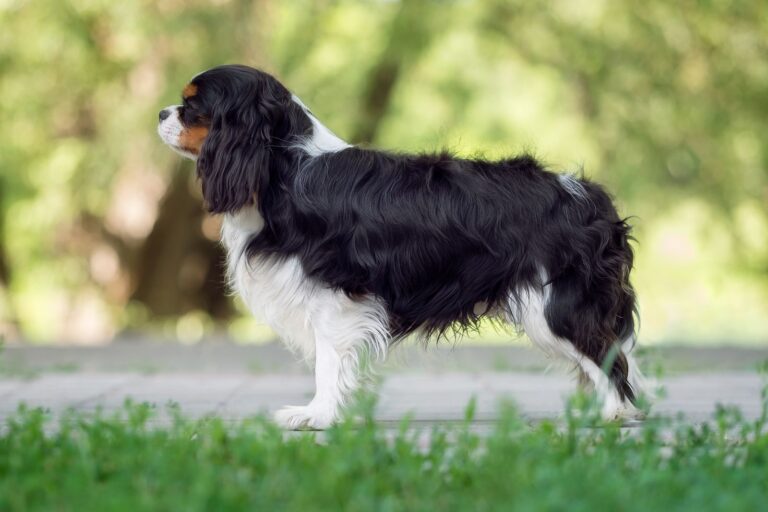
171, 140
183, 152
169, 131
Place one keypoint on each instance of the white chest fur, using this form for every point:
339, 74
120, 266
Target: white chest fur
275, 291
300, 310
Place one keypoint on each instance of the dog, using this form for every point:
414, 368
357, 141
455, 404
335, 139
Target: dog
345, 250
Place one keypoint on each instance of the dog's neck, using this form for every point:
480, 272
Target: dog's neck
239, 226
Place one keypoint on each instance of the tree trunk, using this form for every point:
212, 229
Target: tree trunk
9, 322
409, 36
180, 270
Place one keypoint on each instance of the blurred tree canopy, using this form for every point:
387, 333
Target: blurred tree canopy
102, 228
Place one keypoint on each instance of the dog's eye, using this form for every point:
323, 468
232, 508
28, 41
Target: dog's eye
187, 115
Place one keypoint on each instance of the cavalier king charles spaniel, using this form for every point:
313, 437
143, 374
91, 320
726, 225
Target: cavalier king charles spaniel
345, 250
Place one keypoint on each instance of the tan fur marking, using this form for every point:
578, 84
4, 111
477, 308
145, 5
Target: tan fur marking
191, 139
189, 91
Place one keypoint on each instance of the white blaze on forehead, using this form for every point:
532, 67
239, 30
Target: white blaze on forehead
323, 140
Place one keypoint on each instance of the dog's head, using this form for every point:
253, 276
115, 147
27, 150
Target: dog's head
238, 123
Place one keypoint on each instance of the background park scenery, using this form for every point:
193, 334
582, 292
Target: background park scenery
102, 229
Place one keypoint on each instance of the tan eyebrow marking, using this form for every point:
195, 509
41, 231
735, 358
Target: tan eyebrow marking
189, 91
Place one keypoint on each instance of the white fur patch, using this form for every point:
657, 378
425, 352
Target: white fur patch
323, 140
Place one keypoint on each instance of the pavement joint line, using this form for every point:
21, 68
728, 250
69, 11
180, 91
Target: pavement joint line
128, 380
222, 404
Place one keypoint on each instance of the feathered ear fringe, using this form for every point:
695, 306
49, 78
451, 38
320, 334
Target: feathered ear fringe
245, 144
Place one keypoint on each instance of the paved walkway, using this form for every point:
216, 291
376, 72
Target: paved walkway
235, 382
427, 398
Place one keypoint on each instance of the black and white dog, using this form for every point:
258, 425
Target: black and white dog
345, 250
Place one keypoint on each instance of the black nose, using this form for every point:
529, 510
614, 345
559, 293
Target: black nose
164, 114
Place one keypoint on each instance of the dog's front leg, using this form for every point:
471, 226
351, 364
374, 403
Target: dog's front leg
344, 331
335, 378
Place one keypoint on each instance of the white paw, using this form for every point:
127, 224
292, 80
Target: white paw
303, 417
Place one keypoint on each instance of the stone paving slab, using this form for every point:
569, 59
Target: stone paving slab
423, 398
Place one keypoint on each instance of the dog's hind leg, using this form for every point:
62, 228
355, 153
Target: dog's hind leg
529, 311
345, 331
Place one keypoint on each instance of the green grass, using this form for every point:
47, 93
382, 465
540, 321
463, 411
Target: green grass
144, 459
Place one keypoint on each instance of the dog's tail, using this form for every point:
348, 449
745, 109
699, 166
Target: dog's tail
592, 303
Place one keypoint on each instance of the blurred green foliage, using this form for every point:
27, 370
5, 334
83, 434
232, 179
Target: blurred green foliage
664, 102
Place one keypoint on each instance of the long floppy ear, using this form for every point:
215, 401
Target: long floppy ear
236, 158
